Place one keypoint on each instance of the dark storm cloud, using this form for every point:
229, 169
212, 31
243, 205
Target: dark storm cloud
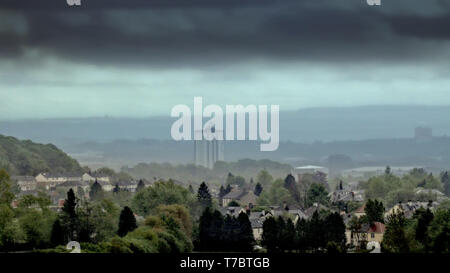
436, 28
177, 32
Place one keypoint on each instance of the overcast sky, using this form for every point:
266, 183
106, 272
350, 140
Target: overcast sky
140, 58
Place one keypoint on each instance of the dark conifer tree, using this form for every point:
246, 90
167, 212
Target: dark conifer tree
424, 218
203, 196
245, 237
446, 183
69, 217
300, 235
258, 189
335, 230
270, 238
291, 186
230, 179
374, 210
116, 189
287, 236
140, 186
57, 235
127, 222
96, 191
228, 189
316, 233
222, 191
191, 189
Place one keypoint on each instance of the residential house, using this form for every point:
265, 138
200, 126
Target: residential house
66, 186
48, 180
369, 232
315, 207
25, 183
410, 207
91, 177
127, 185
257, 227
243, 197
346, 196
106, 186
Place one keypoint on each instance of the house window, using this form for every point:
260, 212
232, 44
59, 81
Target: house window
372, 235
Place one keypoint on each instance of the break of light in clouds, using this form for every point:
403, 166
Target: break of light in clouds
141, 58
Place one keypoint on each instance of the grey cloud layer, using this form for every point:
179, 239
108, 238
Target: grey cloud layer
184, 32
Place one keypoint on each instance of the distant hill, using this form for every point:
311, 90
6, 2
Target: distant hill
24, 157
303, 126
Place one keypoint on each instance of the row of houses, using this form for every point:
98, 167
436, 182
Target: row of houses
52, 180
372, 233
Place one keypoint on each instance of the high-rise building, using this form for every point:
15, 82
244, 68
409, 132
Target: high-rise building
208, 152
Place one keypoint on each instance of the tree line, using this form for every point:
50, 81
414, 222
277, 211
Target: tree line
322, 232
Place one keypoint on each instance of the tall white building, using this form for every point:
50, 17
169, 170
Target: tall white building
208, 152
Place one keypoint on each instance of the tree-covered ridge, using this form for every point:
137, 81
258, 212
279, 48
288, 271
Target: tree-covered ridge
190, 173
24, 157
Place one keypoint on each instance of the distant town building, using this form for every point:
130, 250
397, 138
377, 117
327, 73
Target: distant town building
242, 196
298, 172
362, 172
25, 183
48, 180
311, 174
208, 152
88, 177
410, 207
373, 232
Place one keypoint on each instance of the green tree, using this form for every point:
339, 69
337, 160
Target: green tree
162, 192
239, 180
335, 230
69, 217
275, 195
180, 214
317, 194
210, 230
374, 210
287, 237
387, 171
264, 178
315, 237
270, 235
233, 203
140, 186
439, 231
6, 194
301, 235
57, 234
424, 218
291, 186
230, 179
80, 193
245, 233
222, 192
96, 191
203, 196
127, 222
445, 180
258, 189
116, 189
394, 239
191, 189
